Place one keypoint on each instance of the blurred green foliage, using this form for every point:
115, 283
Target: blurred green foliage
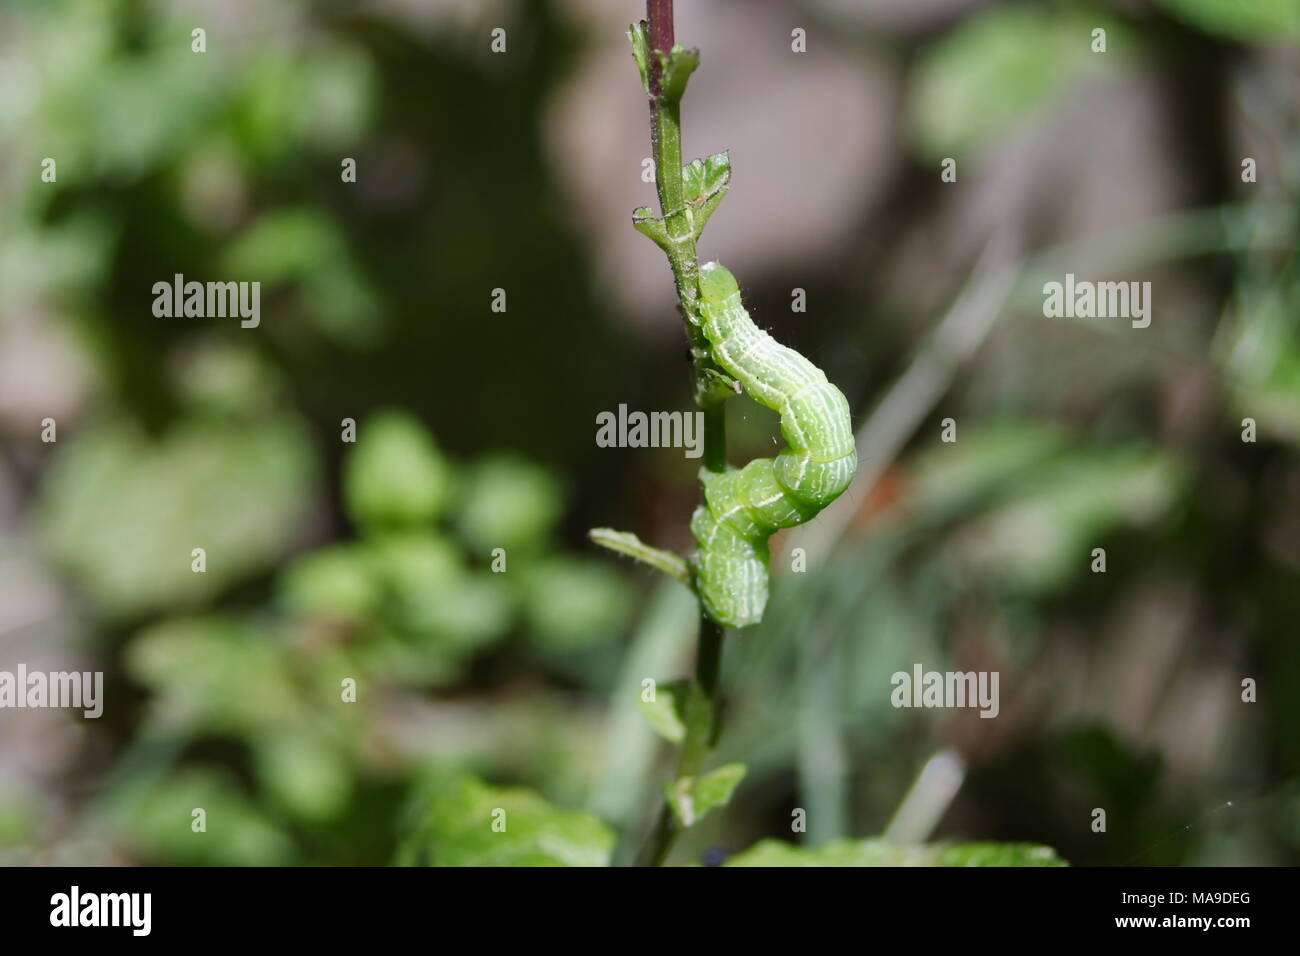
1257, 20
476, 690
122, 512
1002, 64
462, 822
880, 853
405, 603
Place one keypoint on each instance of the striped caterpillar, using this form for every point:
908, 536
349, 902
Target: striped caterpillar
743, 507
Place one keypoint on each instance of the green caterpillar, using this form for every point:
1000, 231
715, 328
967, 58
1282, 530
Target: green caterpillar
744, 507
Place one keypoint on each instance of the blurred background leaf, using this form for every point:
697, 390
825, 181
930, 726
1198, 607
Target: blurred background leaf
880, 853
123, 512
355, 678
468, 824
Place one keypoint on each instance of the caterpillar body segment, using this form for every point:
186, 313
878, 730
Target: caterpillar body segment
743, 507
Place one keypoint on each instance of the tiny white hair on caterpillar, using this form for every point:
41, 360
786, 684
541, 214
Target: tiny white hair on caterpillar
744, 507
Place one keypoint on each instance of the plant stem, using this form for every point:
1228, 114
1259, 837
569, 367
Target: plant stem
703, 704
702, 727
659, 14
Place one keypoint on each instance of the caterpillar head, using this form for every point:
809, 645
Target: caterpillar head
717, 284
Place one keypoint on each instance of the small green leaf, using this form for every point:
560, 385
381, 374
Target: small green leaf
625, 542
714, 789
704, 183
677, 67
646, 223
636, 33
703, 178
878, 852
691, 798
666, 712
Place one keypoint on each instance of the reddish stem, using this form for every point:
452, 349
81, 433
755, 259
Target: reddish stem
659, 13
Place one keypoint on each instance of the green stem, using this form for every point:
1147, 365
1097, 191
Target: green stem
703, 704
703, 724
666, 145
